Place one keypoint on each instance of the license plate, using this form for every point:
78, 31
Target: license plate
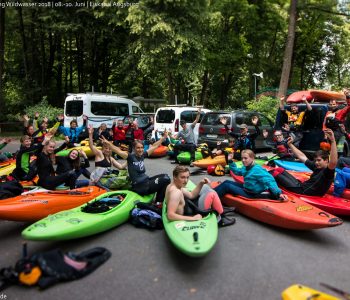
212, 136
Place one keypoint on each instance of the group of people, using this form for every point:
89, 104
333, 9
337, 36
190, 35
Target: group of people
36, 156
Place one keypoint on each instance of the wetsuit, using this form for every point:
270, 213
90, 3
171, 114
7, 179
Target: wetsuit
141, 183
25, 169
46, 172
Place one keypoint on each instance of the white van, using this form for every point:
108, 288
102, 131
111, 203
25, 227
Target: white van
99, 108
169, 117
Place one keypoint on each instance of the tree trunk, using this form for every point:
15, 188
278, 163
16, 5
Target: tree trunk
171, 95
2, 57
224, 90
105, 66
288, 52
24, 42
80, 62
59, 71
70, 64
204, 92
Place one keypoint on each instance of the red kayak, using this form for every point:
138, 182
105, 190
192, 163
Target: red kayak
334, 205
38, 205
302, 176
297, 96
291, 214
160, 151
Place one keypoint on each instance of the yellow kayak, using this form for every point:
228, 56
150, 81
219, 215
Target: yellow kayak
84, 148
4, 171
302, 292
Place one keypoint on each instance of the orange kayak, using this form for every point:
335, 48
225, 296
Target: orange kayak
291, 214
160, 151
205, 162
35, 206
326, 96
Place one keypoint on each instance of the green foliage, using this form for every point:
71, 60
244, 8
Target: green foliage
44, 109
266, 105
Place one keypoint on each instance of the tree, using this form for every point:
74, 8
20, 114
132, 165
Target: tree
2, 54
288, 52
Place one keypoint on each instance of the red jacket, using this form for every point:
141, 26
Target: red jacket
138, 134
119, 134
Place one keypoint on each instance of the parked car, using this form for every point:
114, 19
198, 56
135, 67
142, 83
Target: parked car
211, 129
312, 129
169, 117
145, 121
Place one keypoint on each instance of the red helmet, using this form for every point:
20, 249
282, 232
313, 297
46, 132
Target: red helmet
211, 169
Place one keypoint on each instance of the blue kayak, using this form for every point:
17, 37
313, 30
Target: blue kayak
292, 165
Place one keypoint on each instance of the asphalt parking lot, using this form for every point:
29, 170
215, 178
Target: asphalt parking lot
251, 260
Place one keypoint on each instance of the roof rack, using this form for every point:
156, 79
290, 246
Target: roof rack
177, 105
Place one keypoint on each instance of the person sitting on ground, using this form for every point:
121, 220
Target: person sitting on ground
46, 172
104, 160
3, 144
141, 182
223, 148
75, 160
102, 130
26, 167
295, 118
279, 145
203, 196
187, 135
335, 116
119, 133
73, 131
256, 180
323, 168
244, 139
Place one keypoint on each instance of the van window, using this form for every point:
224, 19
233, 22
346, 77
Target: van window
135, 109
190, 115
74, 108
214, 119
165, 116
109, 109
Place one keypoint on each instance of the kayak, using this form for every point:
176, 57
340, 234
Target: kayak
205, 162
185, 157
302, 176
8, 169
292, 213
326, 96
302, 292
193, 238
84, 148
297, 96
7, 162
160, 151
329, 203
292, 165
75, 223
35, 206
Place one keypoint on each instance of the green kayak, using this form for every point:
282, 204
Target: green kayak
257, 161
194, 238
75, 223
184, 157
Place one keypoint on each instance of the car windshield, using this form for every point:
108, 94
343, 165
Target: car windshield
214, 118
165, 116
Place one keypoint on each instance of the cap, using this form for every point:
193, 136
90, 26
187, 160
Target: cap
242, 126
182, 122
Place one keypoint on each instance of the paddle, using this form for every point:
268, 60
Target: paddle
344, 294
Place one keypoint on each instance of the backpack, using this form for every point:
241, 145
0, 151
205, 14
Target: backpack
146, 218
44, 269
10, 189
120, 181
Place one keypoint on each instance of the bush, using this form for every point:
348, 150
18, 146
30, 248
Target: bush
44, 110
266, 105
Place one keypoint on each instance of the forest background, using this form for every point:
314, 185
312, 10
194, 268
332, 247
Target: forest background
204, 51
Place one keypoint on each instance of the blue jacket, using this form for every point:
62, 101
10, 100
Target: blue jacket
73, 134
256, 179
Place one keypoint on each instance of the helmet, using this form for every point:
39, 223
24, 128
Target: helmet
219, 170
325, 146
211, 169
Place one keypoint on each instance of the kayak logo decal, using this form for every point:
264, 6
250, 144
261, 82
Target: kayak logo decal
74, 221
35, 200
303, 208
59, 215
179, 225
201, 225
